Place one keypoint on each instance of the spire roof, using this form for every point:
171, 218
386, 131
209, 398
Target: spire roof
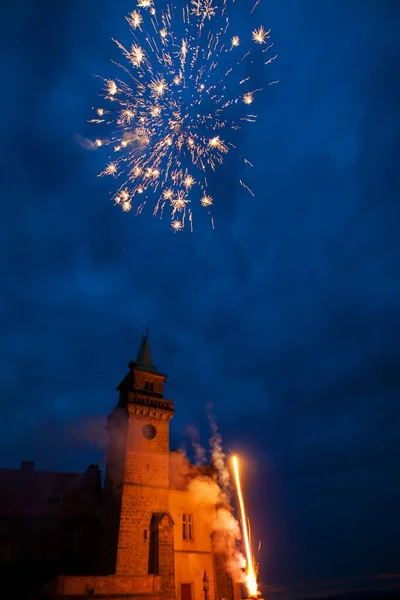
143, 358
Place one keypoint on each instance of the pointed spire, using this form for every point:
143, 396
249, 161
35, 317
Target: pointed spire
143, 358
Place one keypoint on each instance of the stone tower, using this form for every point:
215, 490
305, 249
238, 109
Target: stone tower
137, 529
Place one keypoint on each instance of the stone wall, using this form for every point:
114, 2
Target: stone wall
78, 588
166, 556
145, 486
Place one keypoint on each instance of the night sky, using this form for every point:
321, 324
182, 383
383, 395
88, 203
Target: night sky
285, 317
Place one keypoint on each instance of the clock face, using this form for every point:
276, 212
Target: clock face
149, 432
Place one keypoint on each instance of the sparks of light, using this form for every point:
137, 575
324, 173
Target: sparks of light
182, 95
177, 225
111, 87
155, 111
188, 181
158, 86
251, 578
260, 35
136, 55
203, 8
110, 169
135, 19
206, 200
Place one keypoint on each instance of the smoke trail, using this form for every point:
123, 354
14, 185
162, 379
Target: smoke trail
213, 505
217, 454
200, 453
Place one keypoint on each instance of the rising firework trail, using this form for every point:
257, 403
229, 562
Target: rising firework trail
185, 89
251, 577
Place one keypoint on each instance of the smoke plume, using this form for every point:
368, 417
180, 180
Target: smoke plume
213, 506
200, 453
217, 454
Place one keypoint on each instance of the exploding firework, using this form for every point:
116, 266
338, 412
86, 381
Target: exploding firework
185, 89
251, 576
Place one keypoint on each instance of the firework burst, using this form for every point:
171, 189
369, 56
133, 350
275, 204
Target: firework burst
183, 92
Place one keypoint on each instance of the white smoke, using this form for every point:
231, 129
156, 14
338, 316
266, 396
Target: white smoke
200, 453
85, 142
217, 455
212, 503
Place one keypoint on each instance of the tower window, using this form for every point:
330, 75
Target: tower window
187, 526
149, 386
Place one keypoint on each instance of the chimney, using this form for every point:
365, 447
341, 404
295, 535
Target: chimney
93, 476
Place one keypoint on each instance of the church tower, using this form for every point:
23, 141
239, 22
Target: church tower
136, 525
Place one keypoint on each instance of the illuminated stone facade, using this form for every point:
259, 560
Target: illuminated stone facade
155, 542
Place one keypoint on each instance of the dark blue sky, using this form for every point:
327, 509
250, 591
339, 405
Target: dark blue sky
286, 317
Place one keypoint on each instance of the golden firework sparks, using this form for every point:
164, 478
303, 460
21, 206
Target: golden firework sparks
235, 41
110, 169
136, 55
111, 87
135, 19
188, 181
158, 86
204, 8
260, 35
206, 200
177, 225
176, 108
145, 3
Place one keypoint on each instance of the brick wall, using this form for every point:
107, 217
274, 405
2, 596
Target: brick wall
141, 377
138, 505
145, 480
166, 556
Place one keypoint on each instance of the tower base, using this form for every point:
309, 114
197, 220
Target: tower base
117, 587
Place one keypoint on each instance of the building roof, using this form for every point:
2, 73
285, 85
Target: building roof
143, 357
26, 492
144, 361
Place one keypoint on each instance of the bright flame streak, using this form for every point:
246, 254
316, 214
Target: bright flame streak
251, 579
